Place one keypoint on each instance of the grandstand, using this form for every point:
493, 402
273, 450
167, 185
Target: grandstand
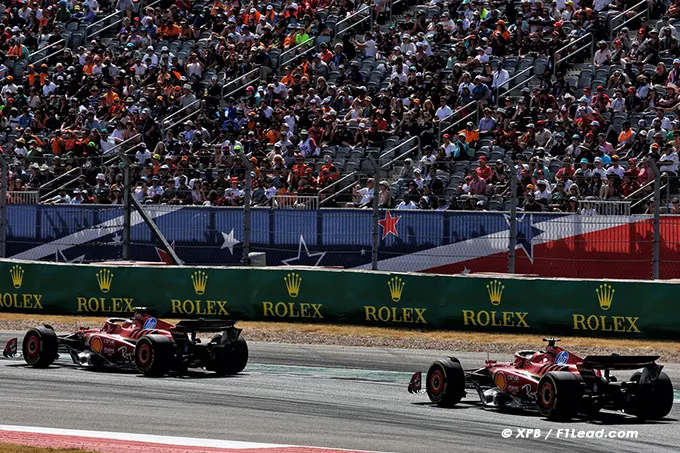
332, 103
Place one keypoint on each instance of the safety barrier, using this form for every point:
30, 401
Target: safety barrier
481, 303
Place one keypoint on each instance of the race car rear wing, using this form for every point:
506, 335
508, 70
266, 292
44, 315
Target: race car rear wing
618, 362
204, 325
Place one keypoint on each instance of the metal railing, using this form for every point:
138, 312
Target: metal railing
119, 21
349, 18
50, 46
293, 201
23, 197
238, 81
452, 125
472, 104
404, 154
284, 56
604, 207
78, 168
614, 29
508, 82
590, 44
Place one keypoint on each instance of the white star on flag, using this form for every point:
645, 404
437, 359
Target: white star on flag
229, 241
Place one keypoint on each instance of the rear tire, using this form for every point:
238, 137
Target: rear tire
40, 347
154, 355
445, 383
652, 401
559, 395
230, 359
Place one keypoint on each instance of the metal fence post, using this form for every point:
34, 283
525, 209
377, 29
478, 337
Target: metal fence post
3, 208
376, 215
512, 242
127, 211
245, 259
657, 217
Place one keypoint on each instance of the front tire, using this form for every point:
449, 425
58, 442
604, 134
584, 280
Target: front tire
559, 395
652, 401
154, 355
445, 383
40, 347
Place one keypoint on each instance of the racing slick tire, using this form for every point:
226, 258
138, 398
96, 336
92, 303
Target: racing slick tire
445, 383
652, 401
228, 360
559, 395
40, 347
154, 355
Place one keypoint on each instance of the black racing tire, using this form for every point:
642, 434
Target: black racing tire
154, 355
559, 395
230, 359
445, 383
653, 401
40, 347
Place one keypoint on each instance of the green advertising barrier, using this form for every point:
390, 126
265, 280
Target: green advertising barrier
493, 304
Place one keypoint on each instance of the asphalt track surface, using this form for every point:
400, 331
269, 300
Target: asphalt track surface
326, 396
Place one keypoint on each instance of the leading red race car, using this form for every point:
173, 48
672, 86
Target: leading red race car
152, 346
558, 384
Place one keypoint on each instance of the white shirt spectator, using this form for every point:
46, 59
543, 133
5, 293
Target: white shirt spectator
500, 79
443, 112
617, 170
142, 155
403, 206
366, 194
672, 157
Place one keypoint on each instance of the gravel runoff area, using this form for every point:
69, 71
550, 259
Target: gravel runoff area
387, 337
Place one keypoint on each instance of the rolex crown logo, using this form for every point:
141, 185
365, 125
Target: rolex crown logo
605, 296
495, 289
200, 280
104, 279
396, 286
17, 274
293, 282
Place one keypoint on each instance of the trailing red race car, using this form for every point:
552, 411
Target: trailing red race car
558, 384
151, 346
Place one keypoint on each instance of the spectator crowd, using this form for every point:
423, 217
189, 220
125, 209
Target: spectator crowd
433, 106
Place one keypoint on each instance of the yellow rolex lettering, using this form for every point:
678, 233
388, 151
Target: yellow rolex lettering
281, 310
268, 309
304, 310
291, 310
631, 321
176, 306
222, 309
384, 314
494, 321
117, 303
593, 322
396, 317
16, 301
605, 327
507, 319
188, 307
370, 313
317, 311
27, 301
469, 318
82, 304
408, 314
579, 322
420, 313
37, 304
128, 304
210, 306
618, 323
483, 318
521, 321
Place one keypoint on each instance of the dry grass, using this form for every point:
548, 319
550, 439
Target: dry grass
14, 448
14, 320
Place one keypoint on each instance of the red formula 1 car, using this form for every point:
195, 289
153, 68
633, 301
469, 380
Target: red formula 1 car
558, 384
151, 346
